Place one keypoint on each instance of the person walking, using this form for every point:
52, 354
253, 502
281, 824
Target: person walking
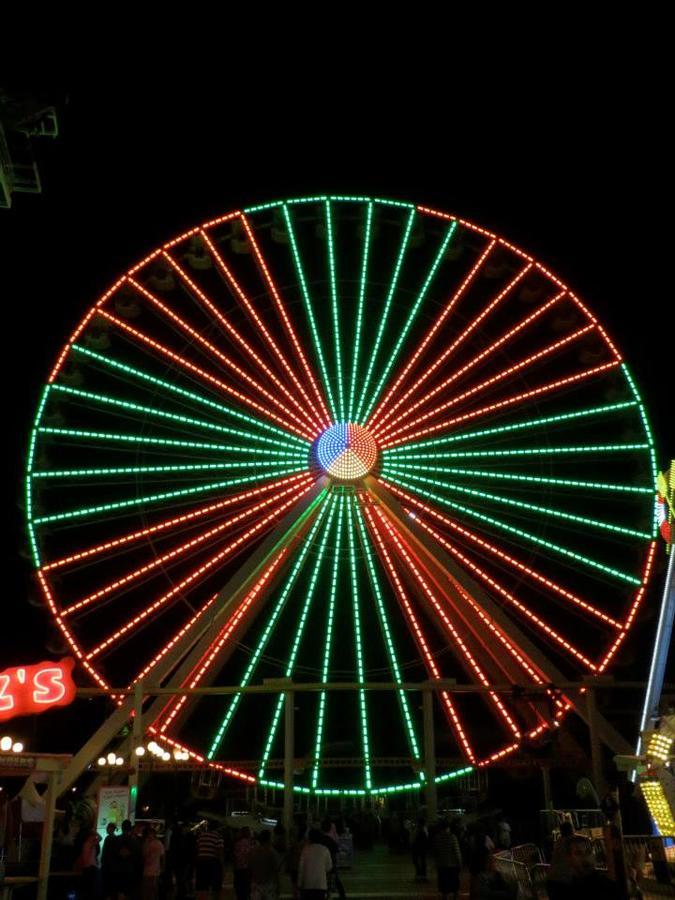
315, 864
152, 850
127, 863
209, 868
108, 854
329, 839
265, 863
419, 846
448, 862
243, 847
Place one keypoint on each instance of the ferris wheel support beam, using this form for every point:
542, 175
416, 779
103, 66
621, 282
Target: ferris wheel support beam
192, 646
448, 568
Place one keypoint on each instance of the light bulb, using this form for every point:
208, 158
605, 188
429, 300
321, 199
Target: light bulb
119, 761
5, 743
140, 751
102, 760
111, 759
18, 747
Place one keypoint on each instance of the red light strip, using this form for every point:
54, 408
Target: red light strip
445, 312
191, 367
476, 359
234, 333
477, 229
81, 658
508, 596
223, 636
176, 520
219, 767
287, 322
448, 625
259, 324
416, 628
195, 574
646, 572
463, 335
489, 382
178, 551
171, 643
226, 360
491, 548
501, 404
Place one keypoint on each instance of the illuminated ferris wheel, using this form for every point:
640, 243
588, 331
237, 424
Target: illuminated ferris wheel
342, 439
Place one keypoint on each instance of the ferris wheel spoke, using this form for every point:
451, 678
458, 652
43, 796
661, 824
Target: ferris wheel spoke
178, 468
223, 358
235, 335
468, 366
426, 340
464, 654
495, 585
363, 283
185, 395
297, 638
328, 643
205, 377
506, 373
420, 639
360, 667
372, 356
271, 624
110, 437
176, 553
324, 416
501, 555
466, 332
150, 499
337, 343
256, 319
309, 311
524, 425
528, 537
300, 479
189, 581
547, 511
386, 633
560, 450
499, 405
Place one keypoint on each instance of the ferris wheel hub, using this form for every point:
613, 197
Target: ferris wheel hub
345, 452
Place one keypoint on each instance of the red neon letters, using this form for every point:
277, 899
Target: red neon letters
28, 690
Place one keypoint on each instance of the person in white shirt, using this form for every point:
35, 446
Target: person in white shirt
315, 864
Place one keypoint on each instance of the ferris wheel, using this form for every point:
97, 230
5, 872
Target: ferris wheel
342, 439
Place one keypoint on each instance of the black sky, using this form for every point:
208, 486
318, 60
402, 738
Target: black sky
575, 182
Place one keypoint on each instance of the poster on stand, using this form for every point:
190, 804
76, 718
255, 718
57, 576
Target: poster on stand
113, 806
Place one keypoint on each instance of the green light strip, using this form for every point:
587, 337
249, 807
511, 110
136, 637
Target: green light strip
30, 522
385, 312
309, 311
517, 426
190, 395
359, 314
650, 439
374, 791
105, 400
309, 596
359, 654
527, 451
327, 648
550, 512
511, 529
253, 662
335, 310
384, 623
157, 498
113, 437
534, 479
298, 201
545, 511
152, 470
391, 359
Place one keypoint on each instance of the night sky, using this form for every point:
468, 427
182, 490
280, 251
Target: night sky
132, 168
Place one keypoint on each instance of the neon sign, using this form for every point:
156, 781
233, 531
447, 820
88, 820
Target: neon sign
28, 690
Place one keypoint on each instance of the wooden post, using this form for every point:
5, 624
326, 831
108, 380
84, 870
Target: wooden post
47, 835
596, 745
429, 755
289, 742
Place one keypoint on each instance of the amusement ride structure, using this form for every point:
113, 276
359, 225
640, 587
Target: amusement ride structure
342, 440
